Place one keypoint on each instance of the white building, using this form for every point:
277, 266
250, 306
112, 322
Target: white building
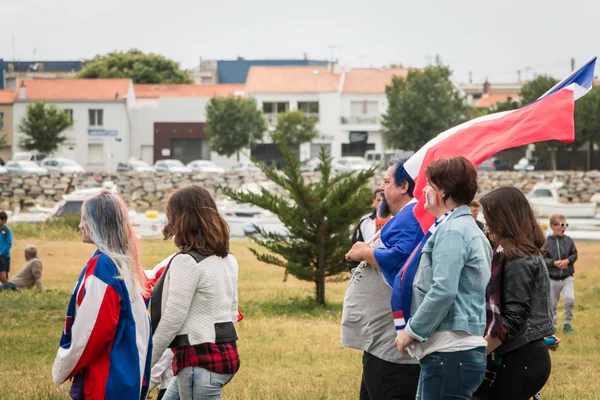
347, 103
168, 122
99, 108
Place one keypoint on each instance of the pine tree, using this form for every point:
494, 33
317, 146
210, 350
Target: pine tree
317, 215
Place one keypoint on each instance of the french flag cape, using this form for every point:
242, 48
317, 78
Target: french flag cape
106, 345
548, 118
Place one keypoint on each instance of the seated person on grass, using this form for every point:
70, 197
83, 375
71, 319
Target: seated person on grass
29, 276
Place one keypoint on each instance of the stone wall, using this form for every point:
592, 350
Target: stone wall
145, 191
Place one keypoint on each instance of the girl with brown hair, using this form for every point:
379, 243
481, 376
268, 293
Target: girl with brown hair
194, 303
519, 312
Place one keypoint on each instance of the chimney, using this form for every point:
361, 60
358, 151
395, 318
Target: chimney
487, 87
337, 68
22, 91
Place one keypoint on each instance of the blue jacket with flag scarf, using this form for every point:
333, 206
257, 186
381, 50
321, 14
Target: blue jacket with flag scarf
400, 236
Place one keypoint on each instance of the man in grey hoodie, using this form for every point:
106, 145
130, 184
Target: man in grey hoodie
560, 257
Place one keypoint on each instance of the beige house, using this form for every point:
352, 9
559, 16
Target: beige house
6, 125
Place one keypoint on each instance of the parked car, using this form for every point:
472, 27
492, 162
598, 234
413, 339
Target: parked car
135, 166
526, 164
171, 166
28, 156
244, 167
380, 157
493, 164
62, 165
25, 167
349, 164
205, 166
311, 165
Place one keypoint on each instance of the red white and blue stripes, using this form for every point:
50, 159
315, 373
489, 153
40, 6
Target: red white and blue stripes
106, 339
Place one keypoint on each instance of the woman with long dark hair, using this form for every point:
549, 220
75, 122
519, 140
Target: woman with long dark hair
194, 303
518, 300
105, 344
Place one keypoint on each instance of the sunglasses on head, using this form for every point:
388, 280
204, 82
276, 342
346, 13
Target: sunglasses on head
562, 225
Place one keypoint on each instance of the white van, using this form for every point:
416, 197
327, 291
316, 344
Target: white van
383, 158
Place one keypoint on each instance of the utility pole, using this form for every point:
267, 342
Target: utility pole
572, 63
470, 76
519, 74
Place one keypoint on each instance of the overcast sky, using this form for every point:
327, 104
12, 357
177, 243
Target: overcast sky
488, 38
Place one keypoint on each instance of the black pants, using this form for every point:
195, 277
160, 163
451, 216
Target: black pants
384, 380
521, 374
161, 394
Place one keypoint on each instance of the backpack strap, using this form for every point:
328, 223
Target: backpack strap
157, 293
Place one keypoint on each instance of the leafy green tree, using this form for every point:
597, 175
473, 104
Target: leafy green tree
294, 128
507, 105
532, 90
4, 137
233, 123
587, 121
42, 127
138, 66
317, 215
421, 106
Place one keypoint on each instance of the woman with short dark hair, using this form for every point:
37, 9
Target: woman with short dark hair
194, 303
447, 312
518, 300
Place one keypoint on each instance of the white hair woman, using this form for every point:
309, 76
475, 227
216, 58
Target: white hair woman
105, 344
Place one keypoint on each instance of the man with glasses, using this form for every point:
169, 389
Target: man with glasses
560, 258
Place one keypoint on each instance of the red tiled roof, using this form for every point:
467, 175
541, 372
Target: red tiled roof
303, 79
488, 100
371, 80
7, 96
181, 90
75, 89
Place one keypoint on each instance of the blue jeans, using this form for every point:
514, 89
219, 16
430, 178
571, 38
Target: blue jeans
451, 375
195, 383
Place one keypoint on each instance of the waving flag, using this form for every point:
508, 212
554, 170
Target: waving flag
548, 118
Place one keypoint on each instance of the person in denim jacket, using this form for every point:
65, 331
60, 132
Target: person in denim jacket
447, 323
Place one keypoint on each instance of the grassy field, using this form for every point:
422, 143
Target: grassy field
289, 347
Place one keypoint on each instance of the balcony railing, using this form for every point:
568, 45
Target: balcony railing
360, 120
272, 118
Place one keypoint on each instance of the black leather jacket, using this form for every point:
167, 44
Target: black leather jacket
526, 307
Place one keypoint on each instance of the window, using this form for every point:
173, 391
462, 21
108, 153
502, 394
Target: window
364, 108
69, 111
275, 108
1, 120
308, 107
96, 117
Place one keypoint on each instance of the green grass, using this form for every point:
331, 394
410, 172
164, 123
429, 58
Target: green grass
289, 346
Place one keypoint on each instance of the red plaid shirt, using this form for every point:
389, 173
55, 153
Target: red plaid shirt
219, 358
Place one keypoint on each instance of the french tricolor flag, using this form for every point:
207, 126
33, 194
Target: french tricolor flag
548, 118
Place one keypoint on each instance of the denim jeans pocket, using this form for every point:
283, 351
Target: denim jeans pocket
472, 370
220, 380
